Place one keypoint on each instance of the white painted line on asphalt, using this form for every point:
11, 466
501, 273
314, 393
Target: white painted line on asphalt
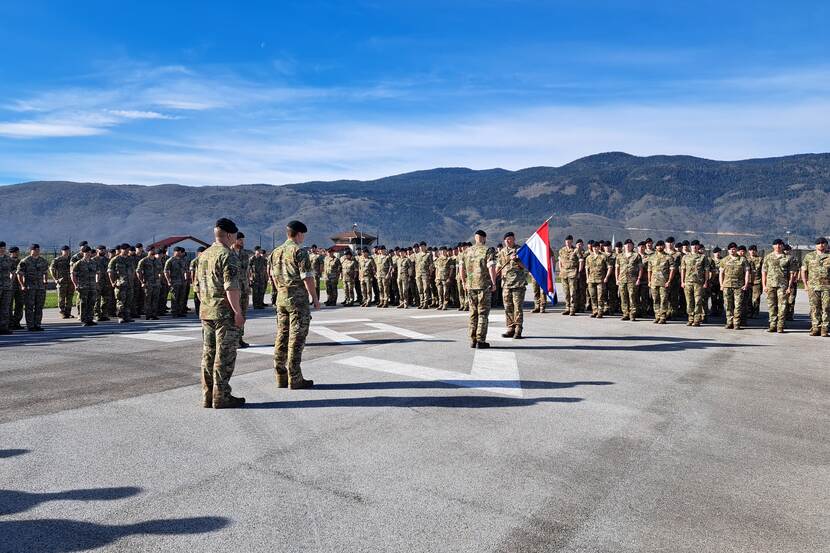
191, 328
376, 331
440, 316
334, 335
338, 321
401, 331
156, 337
259, 350
491, 374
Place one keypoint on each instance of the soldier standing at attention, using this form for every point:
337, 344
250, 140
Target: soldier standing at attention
366, 267
442, 276
404, 271
734, 281
570, 265
815, 273
85, 279
148, 275
164, 287
16, 307
60, 270
259, 278
244, 280
597, 274
221, 316
331, 270
479, 272
317, 264
514, 285
194, 278
694, 279
661, 267
746, 299
776, 279
383, 264
118, 272
612, 293
31, 274
138, 294
295, 281
794, 269
630, 272
102, 303
715, 291
6, 270
423, 268
174, 270
581, 299
348, 268
756, 262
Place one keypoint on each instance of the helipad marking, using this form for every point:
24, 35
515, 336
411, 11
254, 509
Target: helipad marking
493, 372
157, 337
337, 321
334, 335
401, 331
440, 316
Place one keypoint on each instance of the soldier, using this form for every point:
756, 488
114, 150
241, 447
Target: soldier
331, 270
597, 273
194, 278
244, 280
164, 286
694, 279
259, 277
60, 270
138, 292
794, 269
384, 273
118, 272
148, 276
221, 316
734, 281
174, 274
104, 295
715, 291
570, 266
17, 303
755, 262
612, 293
423, 269
776, 279
84, 274
478, 269
366, 268
317, 264
630, 272
442, 277
673, 290
393, 278
661, 267
295, 280
6, 270
405, 270
348, 268
815, 274
31, 274
514, 285
581, 299
539, 299
645, 303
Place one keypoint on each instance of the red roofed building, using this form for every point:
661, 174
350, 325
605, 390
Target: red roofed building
353, 240
189, 243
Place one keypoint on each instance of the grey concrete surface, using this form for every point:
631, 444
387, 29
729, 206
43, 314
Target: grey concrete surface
590, 435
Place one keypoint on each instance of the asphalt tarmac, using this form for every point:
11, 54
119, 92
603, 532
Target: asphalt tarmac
587, 436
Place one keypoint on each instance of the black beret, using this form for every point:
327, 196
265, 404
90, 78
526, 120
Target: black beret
742, 248
443, 248
591, 242
125, 246
83, 243
508, 235
14, 249
716, 249
670, 240
629, 241
34, 247
64, 248
777, 242
132, 248
649, 240
695, 243
226, 225
101, 247
753, 248
731, 245
240, 234
660, 243
686, 243
641, 244
314, 246
579, 241
85, 249
139, 245
619, 244
481, 233
422, 243
348, 252
821, 240
787, 247
297, 226
2, 244
201, 249
569, 237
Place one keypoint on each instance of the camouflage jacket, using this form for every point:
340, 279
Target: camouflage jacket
317, 261
777, 268
33, 269
659, 268
366, 267
596, 267
219, 271
477, 262
733, 268
119, 270
332, 268
405, 268
290, 266
348, 268
755, 267
817, 266
695, 266
259, 269
423, 263
85, 272
630, 266
442, 269
568, 262
6, 270
60, 268
148, 270
513, 273
245, 269
175, 268
383, 265
15, 263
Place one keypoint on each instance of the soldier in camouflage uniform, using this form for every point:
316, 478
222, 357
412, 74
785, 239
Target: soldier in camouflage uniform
138, 292
348, 268
104, 296
746, 295
164, 286
514, 285
318, 260
405, 270
459, 282
60, 270
174, 273
295, 279
148, 276
194, 277
673, 290
539, 300
6, 270
815, 273
570, 266
118, 272
442, 277
221, 316
661, 267
694, 279
331, 271
244, 280
734, 281
423, 270
366, 269
645, 303
715, 292
17, 303
612, 293
582, 298
597, 273
77, 256
84, 275
794, 268
630, 273
479, 273
259, 277
776, 279
31, 274
755, 262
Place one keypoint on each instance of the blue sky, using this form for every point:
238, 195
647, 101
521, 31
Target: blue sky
207, 93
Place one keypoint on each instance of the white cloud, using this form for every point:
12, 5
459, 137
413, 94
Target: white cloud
136, 114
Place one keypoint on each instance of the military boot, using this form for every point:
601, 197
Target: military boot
222, 401
509, 334
624, 318
771, 329
207, 397
473, 344
518, 334
824, 332
282, 380
482, 345
814, 332
535, 310
301, 384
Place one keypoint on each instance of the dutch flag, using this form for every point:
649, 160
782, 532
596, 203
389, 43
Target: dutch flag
536, 256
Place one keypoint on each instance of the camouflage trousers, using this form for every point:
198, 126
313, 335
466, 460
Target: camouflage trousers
660, 298
646, 303
366, 289
733, 305
151, 301
5, 307
581, 298
123, 301
86, 303
716, 298
570, 286
791, 303
596, 290
629, 298
331, 291
384, 285
179, 300
258, 294
443, 287
220, 338
104, 305
612, 296
66, 291
403, 291
694, 301
139, 306
293, 320
164, 290
820, 307
756, 298
514, 299
17, 306
539, 300
34, 298
244, 303
777, 307
424, 290
462, 293
479, 311
348, 288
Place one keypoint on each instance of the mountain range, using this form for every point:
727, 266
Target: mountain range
600, 196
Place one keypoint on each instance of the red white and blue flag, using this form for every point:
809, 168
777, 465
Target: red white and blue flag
535, 255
